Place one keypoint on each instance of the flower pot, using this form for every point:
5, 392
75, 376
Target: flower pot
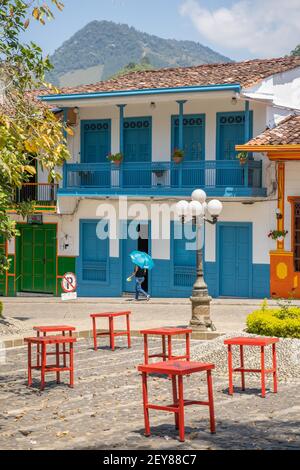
178, 159
117, 162
243, 161
280, 239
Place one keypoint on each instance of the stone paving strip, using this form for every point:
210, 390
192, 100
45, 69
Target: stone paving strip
104, 410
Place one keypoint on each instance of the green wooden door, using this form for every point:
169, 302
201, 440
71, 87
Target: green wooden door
38, 258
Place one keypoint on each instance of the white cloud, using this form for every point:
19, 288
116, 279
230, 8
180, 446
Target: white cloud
263, 27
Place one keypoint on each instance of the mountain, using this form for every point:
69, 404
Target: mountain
102, 48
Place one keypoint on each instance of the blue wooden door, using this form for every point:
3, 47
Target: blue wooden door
194, 149
95, 146
231, 132
235, 252
94, 258
137, 152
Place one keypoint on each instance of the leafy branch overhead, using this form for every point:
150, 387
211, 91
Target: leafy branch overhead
30, 134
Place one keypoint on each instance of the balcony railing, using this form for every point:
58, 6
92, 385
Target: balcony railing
44, 194
225, 178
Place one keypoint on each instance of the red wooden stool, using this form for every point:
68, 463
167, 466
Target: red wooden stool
248, 341
177, 369
111, 332
166, 332
42, 343
62, 329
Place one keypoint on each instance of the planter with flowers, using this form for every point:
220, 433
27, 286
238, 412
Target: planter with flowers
278, 235
242, 157
178, 155
115, 158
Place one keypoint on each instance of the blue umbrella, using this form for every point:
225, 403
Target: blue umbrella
141, 259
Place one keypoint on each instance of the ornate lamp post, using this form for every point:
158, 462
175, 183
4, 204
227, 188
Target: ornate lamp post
197, 210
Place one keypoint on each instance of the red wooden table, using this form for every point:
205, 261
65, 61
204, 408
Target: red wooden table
42, 343
177, 369
169, 333
258, 342
43, 330
111, 332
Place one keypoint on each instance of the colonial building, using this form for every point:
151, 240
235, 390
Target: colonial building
211, 112
282, 146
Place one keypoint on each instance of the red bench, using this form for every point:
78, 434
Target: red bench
177, 369
257, 342
169, 333
111, 332
42, 344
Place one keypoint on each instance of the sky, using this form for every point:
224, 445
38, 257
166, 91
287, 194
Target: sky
239, 29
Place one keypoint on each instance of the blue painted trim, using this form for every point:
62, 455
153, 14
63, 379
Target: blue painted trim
92, 121
121, 124
79, 258
168, 192
147, 91
226, 113
218, 251
247, 121
181, 109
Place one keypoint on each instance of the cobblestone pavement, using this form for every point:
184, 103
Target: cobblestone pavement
104, 410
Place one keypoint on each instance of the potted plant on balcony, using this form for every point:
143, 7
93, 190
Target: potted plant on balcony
178, 155
242, 157
278, 235
115, 158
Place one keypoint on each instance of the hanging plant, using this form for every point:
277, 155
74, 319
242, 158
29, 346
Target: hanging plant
242, 157
115, 158
278, 235
178, 155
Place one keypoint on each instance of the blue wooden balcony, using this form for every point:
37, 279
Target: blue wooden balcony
216, 177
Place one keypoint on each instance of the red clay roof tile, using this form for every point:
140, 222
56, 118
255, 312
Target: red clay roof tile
245, 73
287, 132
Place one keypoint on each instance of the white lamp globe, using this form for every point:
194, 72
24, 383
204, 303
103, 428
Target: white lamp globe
182, 208
215, 207
199, 195
196, 209
204, 205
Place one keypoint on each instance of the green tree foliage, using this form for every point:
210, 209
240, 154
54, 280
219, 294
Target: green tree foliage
296, 51
145, 64
27, 128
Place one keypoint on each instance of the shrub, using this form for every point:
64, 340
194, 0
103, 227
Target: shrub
1, 309
281, 322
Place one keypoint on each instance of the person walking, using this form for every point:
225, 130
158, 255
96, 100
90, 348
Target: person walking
139, 275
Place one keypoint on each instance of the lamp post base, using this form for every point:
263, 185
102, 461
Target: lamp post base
201, 320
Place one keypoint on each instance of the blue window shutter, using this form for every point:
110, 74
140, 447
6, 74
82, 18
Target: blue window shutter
193, 136
184, 259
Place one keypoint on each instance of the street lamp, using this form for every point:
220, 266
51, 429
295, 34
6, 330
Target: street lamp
198, 210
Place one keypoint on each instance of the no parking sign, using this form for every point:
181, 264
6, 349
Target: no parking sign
69, 285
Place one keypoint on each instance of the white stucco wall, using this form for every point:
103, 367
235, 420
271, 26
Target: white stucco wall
161, 122
283, 89
262, 216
